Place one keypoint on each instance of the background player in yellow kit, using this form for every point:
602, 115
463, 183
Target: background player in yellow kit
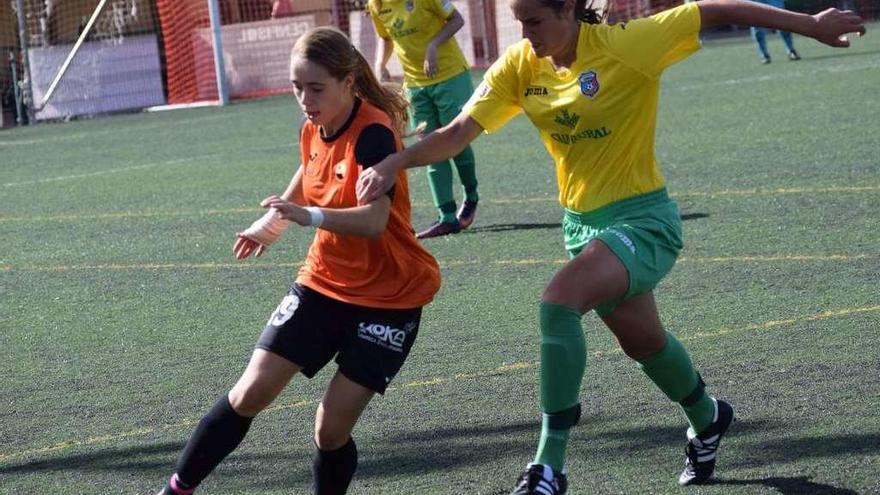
438, 83
592, 91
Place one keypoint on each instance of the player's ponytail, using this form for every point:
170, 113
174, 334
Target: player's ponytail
331, 49
385, 97
586, 11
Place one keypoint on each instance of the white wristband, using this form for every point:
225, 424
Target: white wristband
316, 215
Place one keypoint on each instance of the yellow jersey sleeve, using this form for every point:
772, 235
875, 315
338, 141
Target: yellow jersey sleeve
496, 99
651, 44
373, 8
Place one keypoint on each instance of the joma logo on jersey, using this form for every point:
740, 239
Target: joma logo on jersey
566, 119
585, 134
589, 82
383, 335
536, 91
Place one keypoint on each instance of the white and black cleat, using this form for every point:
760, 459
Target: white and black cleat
540, 479
702, 450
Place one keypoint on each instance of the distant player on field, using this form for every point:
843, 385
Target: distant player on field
761, 38
438, 83
592, 90
360, 294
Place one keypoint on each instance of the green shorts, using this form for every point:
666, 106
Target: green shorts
643, 231
438, 104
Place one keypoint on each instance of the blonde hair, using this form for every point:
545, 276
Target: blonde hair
331, 49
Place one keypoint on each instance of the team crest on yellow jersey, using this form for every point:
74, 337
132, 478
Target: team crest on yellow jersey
409, 5
589, 81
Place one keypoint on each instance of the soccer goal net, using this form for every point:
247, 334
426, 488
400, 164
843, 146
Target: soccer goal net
87, 57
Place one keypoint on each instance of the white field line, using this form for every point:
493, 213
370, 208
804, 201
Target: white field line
137, 127
831, 69
243, 265
140, 167
439, 380
496, 201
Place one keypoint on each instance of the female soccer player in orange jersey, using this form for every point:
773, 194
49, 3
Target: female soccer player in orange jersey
592, 91
360, 294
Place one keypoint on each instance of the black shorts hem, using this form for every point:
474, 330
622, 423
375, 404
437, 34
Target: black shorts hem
380, 389
308, 372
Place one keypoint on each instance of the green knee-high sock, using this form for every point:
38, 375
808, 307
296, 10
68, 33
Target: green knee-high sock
563, 361
465, 164
672, 371
440, 182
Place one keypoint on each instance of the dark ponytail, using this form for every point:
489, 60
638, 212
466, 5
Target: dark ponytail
385, 97
584, 10
591, 15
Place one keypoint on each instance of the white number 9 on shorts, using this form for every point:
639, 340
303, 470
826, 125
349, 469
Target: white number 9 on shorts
284, 311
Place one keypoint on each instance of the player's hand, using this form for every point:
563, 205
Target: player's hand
288, 210
430, 65
375, 181
832, 25
245, 246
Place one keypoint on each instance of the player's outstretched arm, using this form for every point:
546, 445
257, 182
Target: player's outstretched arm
829, 26
442, 144
368, 220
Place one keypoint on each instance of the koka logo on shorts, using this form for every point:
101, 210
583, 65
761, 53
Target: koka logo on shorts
384, 335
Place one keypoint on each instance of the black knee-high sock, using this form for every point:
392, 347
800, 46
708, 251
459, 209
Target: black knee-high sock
218, 434
332, 470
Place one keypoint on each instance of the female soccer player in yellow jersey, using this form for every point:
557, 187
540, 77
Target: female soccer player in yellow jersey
438, 83
591, 89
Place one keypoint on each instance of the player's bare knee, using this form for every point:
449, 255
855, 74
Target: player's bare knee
249, 400
328, 437
641, 345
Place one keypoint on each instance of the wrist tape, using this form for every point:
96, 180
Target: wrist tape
268, 228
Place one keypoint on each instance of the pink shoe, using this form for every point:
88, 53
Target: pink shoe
438, 229
466, 214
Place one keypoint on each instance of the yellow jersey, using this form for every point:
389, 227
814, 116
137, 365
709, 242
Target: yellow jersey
411, 25
596, 118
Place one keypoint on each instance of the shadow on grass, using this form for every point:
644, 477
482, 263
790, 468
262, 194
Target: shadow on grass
140, 458
693, 216
506, 227
800, 485
417, 452
790, 450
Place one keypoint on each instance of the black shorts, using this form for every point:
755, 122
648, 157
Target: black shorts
370, 344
